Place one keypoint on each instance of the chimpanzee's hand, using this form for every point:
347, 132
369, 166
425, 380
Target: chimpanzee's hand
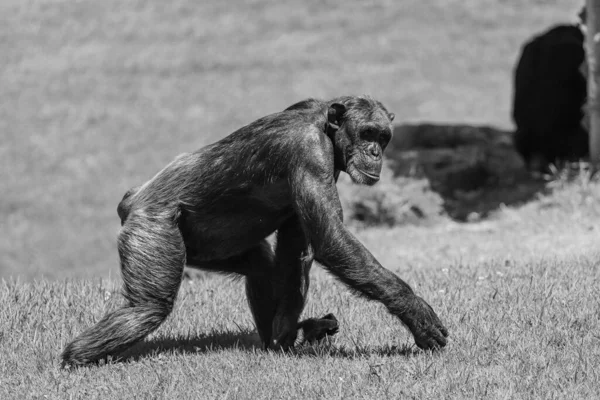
426, 327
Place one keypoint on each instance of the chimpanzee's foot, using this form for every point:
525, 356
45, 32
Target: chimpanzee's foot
314, 329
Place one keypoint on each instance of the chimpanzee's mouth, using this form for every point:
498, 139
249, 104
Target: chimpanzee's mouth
368, 174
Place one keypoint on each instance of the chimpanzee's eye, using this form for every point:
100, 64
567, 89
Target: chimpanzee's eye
384, 138
369, 135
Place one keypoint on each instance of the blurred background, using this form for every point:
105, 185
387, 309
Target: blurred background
97, 96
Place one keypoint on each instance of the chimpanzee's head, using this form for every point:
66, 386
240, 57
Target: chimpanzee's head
360, 128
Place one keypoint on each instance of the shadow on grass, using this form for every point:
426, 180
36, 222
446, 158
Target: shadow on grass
250, 342
326, 349
211, 342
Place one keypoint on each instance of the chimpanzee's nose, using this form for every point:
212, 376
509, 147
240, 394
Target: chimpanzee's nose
374, 150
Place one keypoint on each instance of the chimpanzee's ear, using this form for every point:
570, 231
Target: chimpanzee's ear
335, 114
392, 116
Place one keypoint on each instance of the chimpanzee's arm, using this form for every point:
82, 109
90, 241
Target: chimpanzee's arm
317, 203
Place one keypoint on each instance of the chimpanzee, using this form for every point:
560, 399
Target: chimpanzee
213, 209
550, 92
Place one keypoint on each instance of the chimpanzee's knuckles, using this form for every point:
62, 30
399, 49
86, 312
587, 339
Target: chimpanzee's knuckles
443, 329
330, 324
431, 340
330, 317
426, 327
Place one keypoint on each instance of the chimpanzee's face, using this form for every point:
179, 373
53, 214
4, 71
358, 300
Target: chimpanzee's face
361, 130
364, 133
365, 157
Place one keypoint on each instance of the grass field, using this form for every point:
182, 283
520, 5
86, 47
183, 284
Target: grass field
519, 294
96, 96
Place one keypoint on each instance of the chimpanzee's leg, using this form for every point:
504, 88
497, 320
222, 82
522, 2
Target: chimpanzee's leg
257, 265
152, 256
259, 289
276, 287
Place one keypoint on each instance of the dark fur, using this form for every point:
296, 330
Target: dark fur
549, 95
213, 208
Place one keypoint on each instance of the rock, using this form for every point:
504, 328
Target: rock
448, 169
474, 168
435, 136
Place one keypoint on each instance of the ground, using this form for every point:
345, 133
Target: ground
519, 294
98, 96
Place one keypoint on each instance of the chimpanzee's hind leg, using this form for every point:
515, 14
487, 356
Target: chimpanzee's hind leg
152, 256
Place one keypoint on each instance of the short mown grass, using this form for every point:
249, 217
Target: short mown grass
519, 294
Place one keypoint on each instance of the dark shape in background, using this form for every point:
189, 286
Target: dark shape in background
550, 93
474, 168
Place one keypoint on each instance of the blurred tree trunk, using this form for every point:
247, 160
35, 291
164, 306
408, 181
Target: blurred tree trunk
593, 56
